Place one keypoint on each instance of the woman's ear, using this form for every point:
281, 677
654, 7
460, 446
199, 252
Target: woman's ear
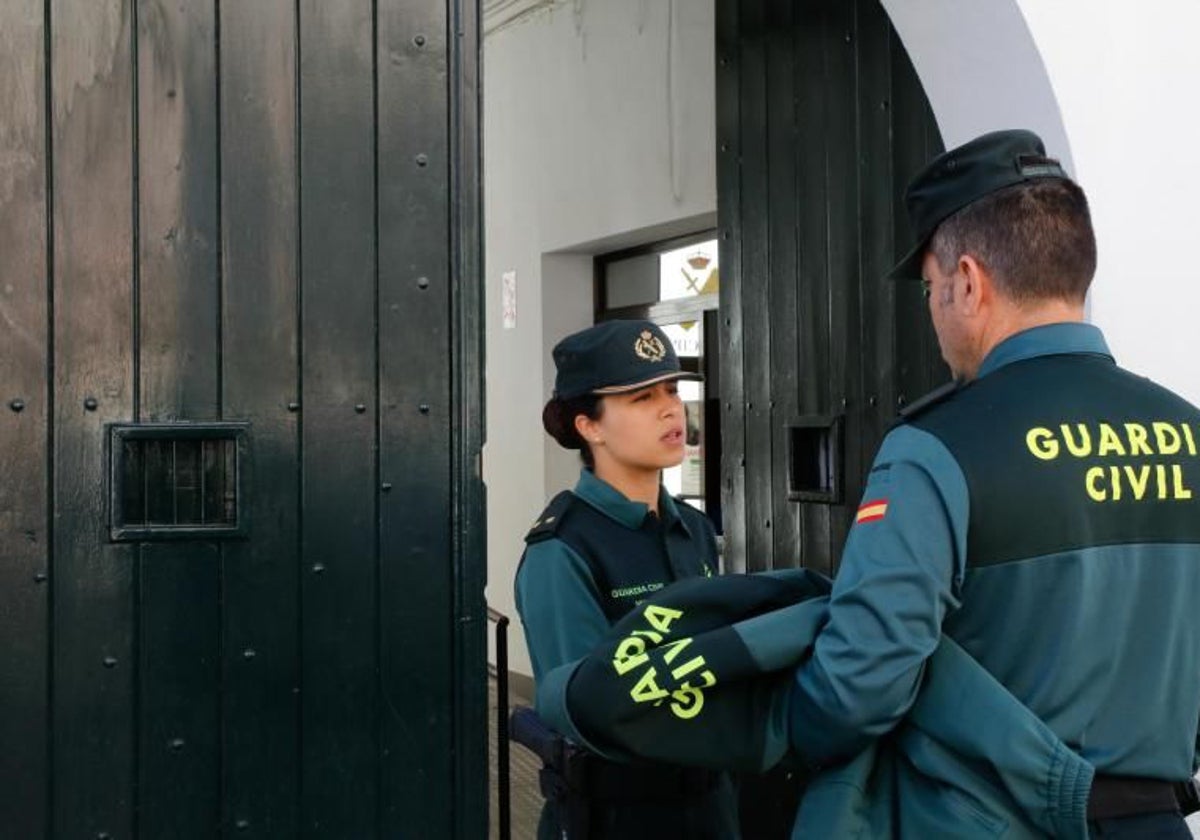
588, 429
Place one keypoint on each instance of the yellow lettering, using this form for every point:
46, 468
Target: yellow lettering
647, 690
1114, 481
689, 699
1081, 450
1109, 442
674, 648
1139, 480
1191, 441
649, 634
1166, 437
1138, 443
1042, 444
687, 667
630, 653
688, 702
1161, 472
1181, 492
1094, 475
660, 618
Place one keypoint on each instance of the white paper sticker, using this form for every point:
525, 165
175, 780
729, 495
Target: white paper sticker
508, 299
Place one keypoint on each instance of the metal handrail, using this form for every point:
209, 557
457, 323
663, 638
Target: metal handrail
502, 734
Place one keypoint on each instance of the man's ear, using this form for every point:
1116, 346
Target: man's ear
977, 286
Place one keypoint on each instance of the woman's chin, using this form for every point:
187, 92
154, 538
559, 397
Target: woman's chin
672, 458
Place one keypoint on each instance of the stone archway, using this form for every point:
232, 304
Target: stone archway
981, 69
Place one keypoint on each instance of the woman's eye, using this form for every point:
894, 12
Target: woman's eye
641, 398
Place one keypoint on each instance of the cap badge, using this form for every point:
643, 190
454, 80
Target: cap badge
649, 347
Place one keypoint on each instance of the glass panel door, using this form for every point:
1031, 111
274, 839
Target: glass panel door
688, 479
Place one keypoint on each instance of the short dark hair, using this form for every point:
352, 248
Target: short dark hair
558, 419
1035, 238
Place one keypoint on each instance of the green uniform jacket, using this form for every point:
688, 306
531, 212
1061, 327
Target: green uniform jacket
701, 673
560, 600
1046, 517
591, 557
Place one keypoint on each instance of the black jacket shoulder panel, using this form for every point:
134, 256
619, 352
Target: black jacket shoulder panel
693, 516
935, 397
551, 519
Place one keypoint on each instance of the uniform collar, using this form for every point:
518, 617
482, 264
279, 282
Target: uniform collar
615, 505
1048, 340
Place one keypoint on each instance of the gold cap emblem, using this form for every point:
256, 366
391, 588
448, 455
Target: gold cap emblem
649, 347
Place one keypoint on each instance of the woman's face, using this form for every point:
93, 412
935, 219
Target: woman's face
642, 429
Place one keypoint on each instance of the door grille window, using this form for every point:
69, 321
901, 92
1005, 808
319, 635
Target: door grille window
176, 481
815, 460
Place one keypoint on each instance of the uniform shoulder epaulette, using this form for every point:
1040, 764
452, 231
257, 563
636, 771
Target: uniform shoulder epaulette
690, 512
681, 502
547, 523
934, 397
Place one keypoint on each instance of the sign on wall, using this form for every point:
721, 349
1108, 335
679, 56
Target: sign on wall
508, 299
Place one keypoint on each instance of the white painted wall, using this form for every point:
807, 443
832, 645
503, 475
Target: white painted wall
1126, 77
1111, 87
598, 133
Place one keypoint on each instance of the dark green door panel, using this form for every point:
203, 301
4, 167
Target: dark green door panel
264, 213
820, 121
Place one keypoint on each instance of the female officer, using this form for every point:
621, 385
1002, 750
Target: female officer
596, 552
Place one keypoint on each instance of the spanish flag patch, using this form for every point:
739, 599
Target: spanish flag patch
872, 511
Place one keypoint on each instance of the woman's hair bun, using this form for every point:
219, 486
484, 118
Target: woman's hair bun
560, 426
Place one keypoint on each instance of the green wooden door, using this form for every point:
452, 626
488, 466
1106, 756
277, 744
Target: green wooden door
820, 122
263, 212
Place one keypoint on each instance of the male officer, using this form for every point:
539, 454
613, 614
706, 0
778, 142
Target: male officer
1044, 511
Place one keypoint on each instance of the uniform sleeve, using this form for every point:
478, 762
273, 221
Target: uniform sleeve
899, 576
559, 606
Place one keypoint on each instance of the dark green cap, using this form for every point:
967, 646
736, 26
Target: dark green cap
615, 357
965, 174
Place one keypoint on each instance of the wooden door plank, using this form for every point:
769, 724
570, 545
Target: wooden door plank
24, 412
782, 375
94, 668
729, 224
178, 362
260, 383
339, 717
812, 256
467, 427
416, 551
756, 283
178, 723
876, 233
843, 177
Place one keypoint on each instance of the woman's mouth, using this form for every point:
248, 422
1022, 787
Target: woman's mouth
673, 437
